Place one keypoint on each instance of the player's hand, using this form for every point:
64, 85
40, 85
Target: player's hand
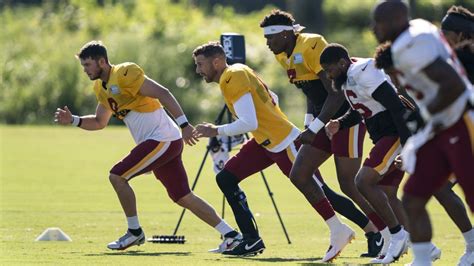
398, 162
188, 135
306, 137
63, 116
205, 130
332, 127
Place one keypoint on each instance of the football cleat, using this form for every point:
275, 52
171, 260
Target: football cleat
339, 239
127, 241
435, 253
396, 248
247, 247
467, 259
231, 240
374, 244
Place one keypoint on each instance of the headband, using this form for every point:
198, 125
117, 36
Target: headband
274, 29
457, 23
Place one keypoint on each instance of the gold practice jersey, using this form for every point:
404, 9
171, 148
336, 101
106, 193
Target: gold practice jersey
303, 63
121, 93
273, 125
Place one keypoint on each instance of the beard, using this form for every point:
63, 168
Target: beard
340, 80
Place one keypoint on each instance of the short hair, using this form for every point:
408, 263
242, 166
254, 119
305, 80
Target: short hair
333, 53
383, 56
94, 50
277, 17
210, 49
459, 19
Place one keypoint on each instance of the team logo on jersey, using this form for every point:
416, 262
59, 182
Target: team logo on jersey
114, 89
298, 58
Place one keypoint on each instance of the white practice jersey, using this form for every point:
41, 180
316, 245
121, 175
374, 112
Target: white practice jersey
363, 78
156, 125
415, 49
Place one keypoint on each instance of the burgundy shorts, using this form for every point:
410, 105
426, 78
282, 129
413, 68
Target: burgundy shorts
348, 142
253, 158
164, 159
450, 151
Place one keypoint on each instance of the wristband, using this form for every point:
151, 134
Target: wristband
316, 125
307, 119
76, 121
182, 121
183, 125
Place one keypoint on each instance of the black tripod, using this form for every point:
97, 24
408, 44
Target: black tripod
218, 121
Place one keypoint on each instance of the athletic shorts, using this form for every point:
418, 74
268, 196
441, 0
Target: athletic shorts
164, 159
253, 158
449, 151
347, 142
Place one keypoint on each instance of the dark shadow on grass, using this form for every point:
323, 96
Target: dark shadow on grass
276, 259
139, 253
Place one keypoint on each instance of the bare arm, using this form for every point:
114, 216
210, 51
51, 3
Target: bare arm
450, 84
334, 100
87, 122
153, 89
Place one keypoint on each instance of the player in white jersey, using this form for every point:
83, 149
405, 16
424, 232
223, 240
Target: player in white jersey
431, 72
374, 99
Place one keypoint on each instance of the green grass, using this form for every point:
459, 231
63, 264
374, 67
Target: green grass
57, 177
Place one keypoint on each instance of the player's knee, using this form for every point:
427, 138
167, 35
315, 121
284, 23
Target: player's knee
186, 200
226, 181
412, 205
116, 180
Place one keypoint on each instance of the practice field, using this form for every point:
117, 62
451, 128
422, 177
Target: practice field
58, 177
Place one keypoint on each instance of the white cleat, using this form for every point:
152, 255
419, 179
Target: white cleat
228, 244
396, 249
339, 239
127, 241
467, 259
435, 253
386, 242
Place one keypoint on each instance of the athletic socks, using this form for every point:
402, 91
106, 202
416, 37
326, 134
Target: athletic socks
133, 222
223, 228
422, 253
469, 238
324, 208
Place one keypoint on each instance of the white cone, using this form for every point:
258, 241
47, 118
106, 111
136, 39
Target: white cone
53, 234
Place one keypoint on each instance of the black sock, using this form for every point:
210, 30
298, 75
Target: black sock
238, 202
135, 232
231, 234
345, 207
395, 229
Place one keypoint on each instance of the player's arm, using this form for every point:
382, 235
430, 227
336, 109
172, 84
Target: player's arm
451, 86
333, 102
247, 120
349, 119
88, 122
153, 89
386, 95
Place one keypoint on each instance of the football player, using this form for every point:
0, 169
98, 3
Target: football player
124, 91
432, 74
250, 101
298, 53
374, 99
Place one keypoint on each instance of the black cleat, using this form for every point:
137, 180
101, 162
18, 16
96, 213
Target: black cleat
247, 247
374, 244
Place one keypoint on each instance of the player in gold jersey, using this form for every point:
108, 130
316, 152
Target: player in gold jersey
250, 101
124, 91
298, 53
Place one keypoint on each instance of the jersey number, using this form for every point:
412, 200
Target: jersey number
362, 109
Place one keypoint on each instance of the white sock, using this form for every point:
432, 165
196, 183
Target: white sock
469, 238
422, 253
386, 234
133, 222
400, 234
334, 223
223, 228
